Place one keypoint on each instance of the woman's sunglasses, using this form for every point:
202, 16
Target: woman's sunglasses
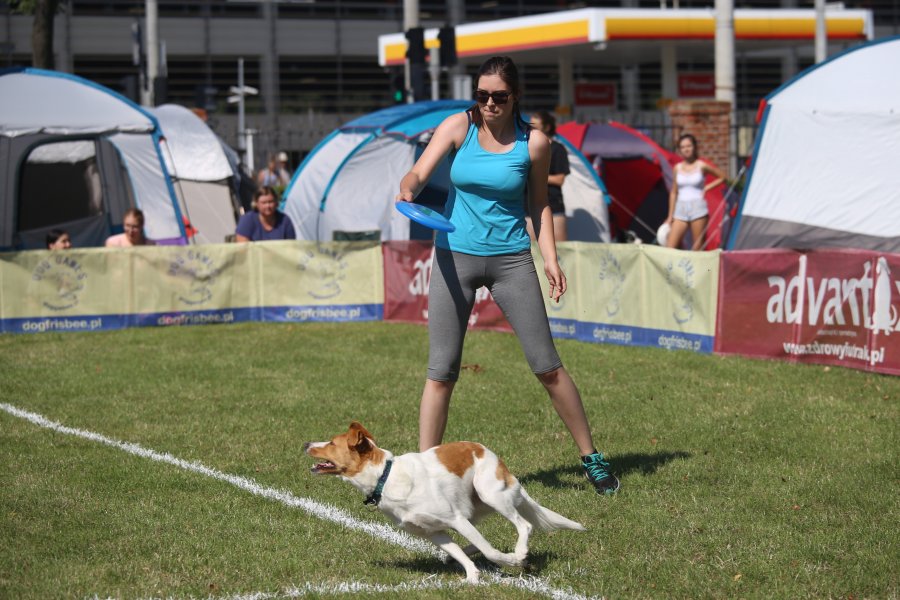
482, 96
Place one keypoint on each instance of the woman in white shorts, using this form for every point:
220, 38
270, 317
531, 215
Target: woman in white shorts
687, 202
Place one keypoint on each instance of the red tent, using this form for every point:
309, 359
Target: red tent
637, 173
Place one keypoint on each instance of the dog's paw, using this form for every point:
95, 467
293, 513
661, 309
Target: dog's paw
472, 578
511, 560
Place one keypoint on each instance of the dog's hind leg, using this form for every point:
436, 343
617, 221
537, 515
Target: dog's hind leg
504, 495
468, 531
443, 541
504, 502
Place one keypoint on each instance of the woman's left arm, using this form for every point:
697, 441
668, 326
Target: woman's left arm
541, 215
709, 169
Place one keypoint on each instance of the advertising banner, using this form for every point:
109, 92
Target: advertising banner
407, 274
192, 285
620, 293
696, 85
105, 288
835, 307
73, 290
320, 281
639, 295
601, 93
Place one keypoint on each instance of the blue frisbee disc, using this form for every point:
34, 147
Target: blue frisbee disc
425, 216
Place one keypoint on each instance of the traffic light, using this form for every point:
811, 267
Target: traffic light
447, 38
415, 50
417, 82
398, 88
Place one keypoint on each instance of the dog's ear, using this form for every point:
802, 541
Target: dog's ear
359, 437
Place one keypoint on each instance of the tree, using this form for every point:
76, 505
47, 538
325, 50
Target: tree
44, 12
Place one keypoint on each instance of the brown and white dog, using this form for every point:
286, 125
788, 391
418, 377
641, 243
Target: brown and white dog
447, 487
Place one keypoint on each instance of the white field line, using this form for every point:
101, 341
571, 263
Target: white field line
323, 511
527, 583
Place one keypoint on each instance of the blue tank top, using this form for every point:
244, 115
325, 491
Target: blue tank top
485, 201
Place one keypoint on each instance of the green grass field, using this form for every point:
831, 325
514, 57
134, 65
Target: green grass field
740, 478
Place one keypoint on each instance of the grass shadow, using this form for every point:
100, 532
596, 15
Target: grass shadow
622, 464
434, 566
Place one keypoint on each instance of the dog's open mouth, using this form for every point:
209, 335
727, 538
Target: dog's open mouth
324, 467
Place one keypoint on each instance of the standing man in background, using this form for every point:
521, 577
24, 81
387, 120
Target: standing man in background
544, 122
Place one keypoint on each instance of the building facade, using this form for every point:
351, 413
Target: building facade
316, 62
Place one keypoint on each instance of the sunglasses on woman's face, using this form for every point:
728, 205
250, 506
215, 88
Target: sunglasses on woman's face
482, 96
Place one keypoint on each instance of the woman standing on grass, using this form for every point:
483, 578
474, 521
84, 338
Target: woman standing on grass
494, 154
687, 199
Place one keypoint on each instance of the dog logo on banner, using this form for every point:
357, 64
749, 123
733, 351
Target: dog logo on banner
611, 272
327, 267
680, 278
864, 301
65, 276
199, 271
884, 314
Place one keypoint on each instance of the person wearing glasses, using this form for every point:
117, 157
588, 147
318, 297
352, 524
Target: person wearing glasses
133, 224
495, 156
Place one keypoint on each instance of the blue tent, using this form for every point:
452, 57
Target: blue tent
345, 189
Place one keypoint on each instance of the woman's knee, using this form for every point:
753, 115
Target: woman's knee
439, 385
550, 378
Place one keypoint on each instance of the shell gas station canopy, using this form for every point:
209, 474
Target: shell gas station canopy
624, 36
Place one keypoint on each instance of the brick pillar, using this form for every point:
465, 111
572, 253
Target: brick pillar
710, 122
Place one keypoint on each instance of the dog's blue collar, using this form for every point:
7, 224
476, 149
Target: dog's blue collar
375, 497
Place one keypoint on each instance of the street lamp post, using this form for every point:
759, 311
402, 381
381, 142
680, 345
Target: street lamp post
239, 92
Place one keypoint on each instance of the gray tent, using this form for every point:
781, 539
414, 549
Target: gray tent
206, 182
76, 155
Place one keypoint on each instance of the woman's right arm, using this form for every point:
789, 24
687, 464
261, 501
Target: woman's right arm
448, 135
673, 195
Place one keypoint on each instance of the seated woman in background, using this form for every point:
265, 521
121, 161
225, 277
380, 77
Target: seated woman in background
265, 221
57, 239
133, 224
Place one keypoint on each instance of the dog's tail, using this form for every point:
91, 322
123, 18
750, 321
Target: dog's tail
542, 518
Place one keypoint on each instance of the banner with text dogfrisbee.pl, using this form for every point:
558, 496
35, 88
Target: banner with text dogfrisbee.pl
192, 285
309, 281
835, 307
73, 290
98, 288
640, 295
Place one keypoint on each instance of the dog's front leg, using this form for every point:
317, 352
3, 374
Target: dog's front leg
443, 541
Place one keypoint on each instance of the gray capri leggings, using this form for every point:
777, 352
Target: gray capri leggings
512, 280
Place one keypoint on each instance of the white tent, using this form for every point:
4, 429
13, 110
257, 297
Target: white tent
825, 167
76, 155
345, 189
204, 178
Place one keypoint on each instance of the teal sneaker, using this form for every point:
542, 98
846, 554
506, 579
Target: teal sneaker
597, 472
